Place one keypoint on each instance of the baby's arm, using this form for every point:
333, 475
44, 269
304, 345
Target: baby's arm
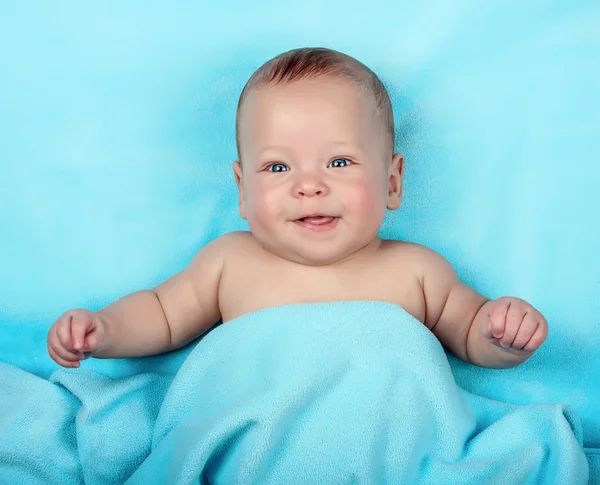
146, 322
171, 315
497, 334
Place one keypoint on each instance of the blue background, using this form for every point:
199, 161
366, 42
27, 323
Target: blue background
117, 136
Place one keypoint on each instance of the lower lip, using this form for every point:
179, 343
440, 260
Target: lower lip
330, 226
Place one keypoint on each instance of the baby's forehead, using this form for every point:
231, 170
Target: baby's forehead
318, 98
324, 106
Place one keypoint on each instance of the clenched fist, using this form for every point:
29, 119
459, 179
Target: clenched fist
515, 326
75, 334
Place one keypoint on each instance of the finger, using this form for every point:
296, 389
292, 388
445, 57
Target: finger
64, 353
526, 331
63, 331
498, 317
514, 319
78, 330
59, 360
537, 339
60, 349
486, 329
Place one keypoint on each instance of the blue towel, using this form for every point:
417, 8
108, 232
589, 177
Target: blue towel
349, 392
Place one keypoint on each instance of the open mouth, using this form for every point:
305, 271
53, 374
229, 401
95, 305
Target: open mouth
318, 223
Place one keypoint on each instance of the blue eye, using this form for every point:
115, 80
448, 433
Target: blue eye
339, 162
277, 167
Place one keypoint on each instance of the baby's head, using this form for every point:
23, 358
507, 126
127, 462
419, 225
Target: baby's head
316, 169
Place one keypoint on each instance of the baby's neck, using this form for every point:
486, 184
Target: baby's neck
362, 254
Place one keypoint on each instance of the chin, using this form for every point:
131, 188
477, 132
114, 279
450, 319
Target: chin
321, 253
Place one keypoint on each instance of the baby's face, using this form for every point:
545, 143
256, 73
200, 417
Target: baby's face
317, 170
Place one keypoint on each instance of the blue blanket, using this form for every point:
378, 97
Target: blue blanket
352, 392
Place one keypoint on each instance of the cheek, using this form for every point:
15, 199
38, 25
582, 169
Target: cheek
366, 198
263, 203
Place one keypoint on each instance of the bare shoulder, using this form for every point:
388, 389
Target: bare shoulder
230, 247
190, 298
436, 277
229, 243
424, 262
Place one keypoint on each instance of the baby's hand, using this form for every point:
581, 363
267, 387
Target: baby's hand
515, 326
75, 334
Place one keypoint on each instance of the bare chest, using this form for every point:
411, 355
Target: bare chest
248, 287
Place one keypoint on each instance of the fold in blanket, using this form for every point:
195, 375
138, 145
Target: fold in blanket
352, 392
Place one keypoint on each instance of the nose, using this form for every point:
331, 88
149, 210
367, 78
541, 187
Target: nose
310, 186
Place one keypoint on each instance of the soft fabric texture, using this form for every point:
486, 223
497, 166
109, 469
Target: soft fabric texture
338, 393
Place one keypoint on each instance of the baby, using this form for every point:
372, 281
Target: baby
316, 173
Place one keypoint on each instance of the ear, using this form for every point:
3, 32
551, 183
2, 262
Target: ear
237, 172
395, 173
